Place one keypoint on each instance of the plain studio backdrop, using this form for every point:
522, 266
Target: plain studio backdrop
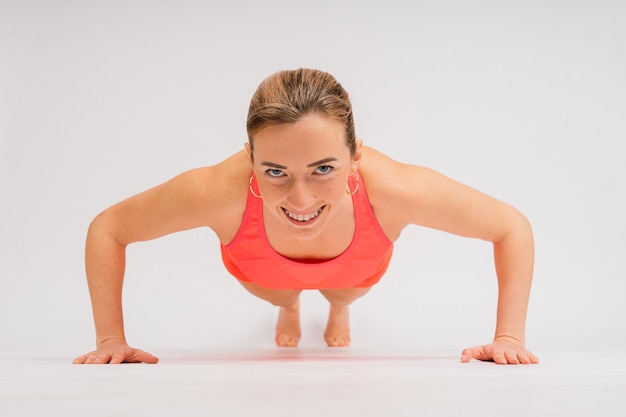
524, 100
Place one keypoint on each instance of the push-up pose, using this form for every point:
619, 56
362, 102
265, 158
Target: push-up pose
307, 206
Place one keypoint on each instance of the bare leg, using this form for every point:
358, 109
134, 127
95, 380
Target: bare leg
337, 333
288, 325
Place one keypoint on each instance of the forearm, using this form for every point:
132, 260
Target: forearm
105, 265
514, 260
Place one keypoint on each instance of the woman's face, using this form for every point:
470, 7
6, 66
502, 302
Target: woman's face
302, 171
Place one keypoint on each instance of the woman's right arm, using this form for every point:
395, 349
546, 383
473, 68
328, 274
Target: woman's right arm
193, 199
105, 258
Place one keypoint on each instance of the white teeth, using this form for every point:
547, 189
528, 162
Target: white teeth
303, 218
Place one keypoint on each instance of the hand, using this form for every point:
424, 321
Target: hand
115, 351
502, 351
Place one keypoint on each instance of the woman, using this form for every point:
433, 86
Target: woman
307, 206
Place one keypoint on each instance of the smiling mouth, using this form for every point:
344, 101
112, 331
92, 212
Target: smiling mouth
303, 218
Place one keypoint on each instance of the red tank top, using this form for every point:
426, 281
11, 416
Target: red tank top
250, 257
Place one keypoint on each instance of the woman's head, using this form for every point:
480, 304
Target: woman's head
287, 96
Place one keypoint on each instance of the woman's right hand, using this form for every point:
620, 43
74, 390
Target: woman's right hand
115, 351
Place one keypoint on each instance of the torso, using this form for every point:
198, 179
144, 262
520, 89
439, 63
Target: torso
359, 260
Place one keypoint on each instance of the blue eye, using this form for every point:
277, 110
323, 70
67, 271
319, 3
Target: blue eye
324, 169
274, 172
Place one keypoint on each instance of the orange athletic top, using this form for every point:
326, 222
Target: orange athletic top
250, 256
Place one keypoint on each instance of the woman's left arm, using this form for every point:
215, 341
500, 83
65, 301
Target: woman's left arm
417, 195
513, 256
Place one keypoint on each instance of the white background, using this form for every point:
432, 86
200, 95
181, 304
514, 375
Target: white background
525, 100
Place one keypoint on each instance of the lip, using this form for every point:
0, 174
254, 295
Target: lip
302, 223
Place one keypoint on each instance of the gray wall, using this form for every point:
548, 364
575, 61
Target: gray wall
523, 100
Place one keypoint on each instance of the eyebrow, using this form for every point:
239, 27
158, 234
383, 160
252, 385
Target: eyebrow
313, 164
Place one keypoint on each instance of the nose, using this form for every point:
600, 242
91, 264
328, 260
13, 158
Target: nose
301, 196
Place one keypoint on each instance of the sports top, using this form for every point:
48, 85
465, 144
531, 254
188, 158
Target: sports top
250, 256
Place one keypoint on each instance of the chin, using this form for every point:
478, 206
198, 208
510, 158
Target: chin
305, 233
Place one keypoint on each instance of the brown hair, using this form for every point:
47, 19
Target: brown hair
287, 96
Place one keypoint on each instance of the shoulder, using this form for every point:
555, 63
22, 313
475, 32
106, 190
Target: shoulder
403, 194
400, 193
224, 188
227, 179
216, 194
390, 180
386, 183
213, 196
216, 184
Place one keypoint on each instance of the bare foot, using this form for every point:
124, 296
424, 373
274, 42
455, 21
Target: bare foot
337, 332
288, 326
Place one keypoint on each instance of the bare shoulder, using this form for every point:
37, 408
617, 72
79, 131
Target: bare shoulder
220, 183
387, 178
403, 194
392, 188
221, 190
375, 162
213, 196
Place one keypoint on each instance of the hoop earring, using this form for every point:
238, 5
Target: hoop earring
355, 188
252, 190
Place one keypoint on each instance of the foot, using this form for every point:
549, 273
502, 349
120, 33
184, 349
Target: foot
337, 332
288, 326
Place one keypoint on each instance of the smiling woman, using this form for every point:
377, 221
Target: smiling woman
310, 226
305, 183
306, 206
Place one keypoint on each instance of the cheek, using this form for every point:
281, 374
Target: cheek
333, 190
272, 195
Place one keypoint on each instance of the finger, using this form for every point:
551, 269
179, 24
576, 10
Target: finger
90, 358
138, 355
79, 360
511, 357
466, 355
528, 358
117, 358
500, 358
102, 358
473, 353
533, 358
147, 358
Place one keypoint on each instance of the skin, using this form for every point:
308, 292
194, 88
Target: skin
302, 183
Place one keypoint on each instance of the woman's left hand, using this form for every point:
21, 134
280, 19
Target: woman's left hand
502, 351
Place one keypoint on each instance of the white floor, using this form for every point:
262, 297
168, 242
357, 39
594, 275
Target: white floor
326, 382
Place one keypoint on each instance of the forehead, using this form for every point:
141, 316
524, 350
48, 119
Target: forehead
313, 137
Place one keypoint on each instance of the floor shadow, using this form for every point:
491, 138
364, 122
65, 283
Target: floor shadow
299, 355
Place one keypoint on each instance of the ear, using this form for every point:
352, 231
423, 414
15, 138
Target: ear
358, 154
248, 149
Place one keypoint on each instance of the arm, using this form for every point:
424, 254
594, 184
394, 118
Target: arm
420, 196
513, 255
105, 259
193, 199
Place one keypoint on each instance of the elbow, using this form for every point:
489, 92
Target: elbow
103, 226
517, 227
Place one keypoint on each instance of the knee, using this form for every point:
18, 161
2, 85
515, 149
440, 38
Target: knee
279, 298
283, 299
343, 297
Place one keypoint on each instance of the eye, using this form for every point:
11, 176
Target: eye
323, 169
274, 172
